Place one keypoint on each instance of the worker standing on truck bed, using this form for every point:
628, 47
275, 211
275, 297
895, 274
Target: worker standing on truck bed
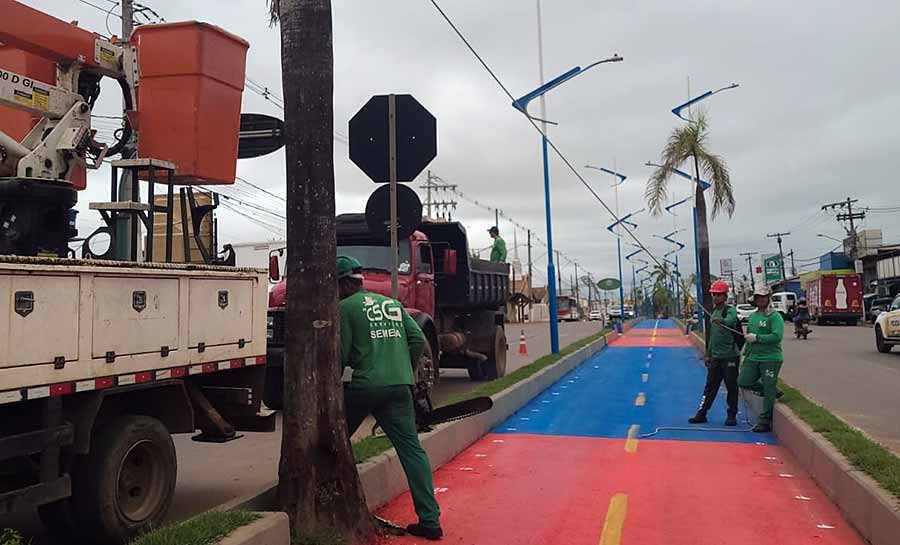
379, 340
498, 250
759, 374
722, 356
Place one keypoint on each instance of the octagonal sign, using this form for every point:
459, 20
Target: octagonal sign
370, 133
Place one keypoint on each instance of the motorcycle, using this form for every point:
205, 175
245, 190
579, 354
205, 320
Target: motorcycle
801, 329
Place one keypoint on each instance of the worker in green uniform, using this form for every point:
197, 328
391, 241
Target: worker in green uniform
722, 356
498, 250
379, 340
763, 356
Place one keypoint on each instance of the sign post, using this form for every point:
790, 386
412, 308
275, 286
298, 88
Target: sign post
392, 147
392, 138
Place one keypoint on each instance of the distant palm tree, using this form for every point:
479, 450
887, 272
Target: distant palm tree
689, 143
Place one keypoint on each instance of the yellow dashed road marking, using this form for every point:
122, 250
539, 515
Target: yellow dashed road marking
615, 520
631, 443
640, 400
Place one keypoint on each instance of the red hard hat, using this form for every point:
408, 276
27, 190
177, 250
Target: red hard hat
719, 286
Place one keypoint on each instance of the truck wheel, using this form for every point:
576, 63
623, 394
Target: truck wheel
427, 369
495, 366
882, 346
130, 473
273, 390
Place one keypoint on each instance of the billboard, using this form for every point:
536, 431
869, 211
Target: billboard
771, 268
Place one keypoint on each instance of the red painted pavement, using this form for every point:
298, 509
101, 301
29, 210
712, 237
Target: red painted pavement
548, 490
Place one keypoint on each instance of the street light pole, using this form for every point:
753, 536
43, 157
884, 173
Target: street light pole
521, 104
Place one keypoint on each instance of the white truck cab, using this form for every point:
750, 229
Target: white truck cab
784, 302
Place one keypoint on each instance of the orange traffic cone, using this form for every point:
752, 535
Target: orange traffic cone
523, 348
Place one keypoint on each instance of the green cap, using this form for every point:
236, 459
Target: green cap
348, 267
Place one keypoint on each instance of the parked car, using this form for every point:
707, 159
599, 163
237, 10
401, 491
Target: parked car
629, 311
744, 311
595, 315
878, 305
887, 327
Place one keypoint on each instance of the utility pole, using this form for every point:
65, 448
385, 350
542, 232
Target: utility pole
850, 216
558, 276
530, 278
123, 225
437, 208
749, 256
793, 268
780, 250
577, 291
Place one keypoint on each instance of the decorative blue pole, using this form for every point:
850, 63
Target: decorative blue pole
699, 280
551, 269
621, 287
677, 288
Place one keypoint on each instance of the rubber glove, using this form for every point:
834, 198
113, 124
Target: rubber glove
751, 337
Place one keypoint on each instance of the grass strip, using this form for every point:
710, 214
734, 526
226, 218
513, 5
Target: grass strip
863, 453
204, 529
373, 446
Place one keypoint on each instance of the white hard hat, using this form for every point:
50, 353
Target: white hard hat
762, 291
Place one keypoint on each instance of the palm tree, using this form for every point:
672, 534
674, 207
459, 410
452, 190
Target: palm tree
319, 486
689, 143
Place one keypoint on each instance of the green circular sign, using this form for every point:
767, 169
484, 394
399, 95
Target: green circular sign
608, 284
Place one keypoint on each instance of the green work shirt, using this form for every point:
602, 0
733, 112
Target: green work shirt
720, 344
378, 340
769, 331
498, 250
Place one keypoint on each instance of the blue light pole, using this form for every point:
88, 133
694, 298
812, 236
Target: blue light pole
677, 275
622, 220
521, 104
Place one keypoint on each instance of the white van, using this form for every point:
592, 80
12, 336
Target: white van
784, 302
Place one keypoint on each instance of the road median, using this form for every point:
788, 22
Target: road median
382, 476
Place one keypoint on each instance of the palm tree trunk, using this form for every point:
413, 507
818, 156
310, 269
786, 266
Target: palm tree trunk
702, 244
319, 486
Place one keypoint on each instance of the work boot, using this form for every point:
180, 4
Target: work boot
428, 532
762, 427
699, 418
731, 420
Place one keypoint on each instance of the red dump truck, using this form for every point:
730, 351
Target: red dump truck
835, 298
458, 300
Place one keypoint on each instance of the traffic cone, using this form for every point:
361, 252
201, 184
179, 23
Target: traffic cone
523, 348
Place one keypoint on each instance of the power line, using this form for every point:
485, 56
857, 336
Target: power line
549, 141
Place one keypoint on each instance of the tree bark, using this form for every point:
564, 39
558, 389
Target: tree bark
319, 486
702, 244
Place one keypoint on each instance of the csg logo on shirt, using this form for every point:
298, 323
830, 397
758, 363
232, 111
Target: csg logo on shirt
383, 318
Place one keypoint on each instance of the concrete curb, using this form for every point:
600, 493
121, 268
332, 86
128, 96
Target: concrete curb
870, 509
271, 529
382, 477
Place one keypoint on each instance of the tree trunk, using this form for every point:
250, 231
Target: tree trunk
702, 244
319, 486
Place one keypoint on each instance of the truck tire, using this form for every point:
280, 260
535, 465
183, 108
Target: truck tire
130, 479
495, 366
880, 344
273, 390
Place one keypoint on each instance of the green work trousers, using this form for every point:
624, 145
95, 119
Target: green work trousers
761, 377
392, 407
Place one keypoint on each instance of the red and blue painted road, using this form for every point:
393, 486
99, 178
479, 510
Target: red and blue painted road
572, 467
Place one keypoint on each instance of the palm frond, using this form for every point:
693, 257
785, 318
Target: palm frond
274, 12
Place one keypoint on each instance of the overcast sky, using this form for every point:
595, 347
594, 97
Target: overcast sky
813, 121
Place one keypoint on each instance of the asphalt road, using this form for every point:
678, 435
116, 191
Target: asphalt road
839, 368
211, 474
